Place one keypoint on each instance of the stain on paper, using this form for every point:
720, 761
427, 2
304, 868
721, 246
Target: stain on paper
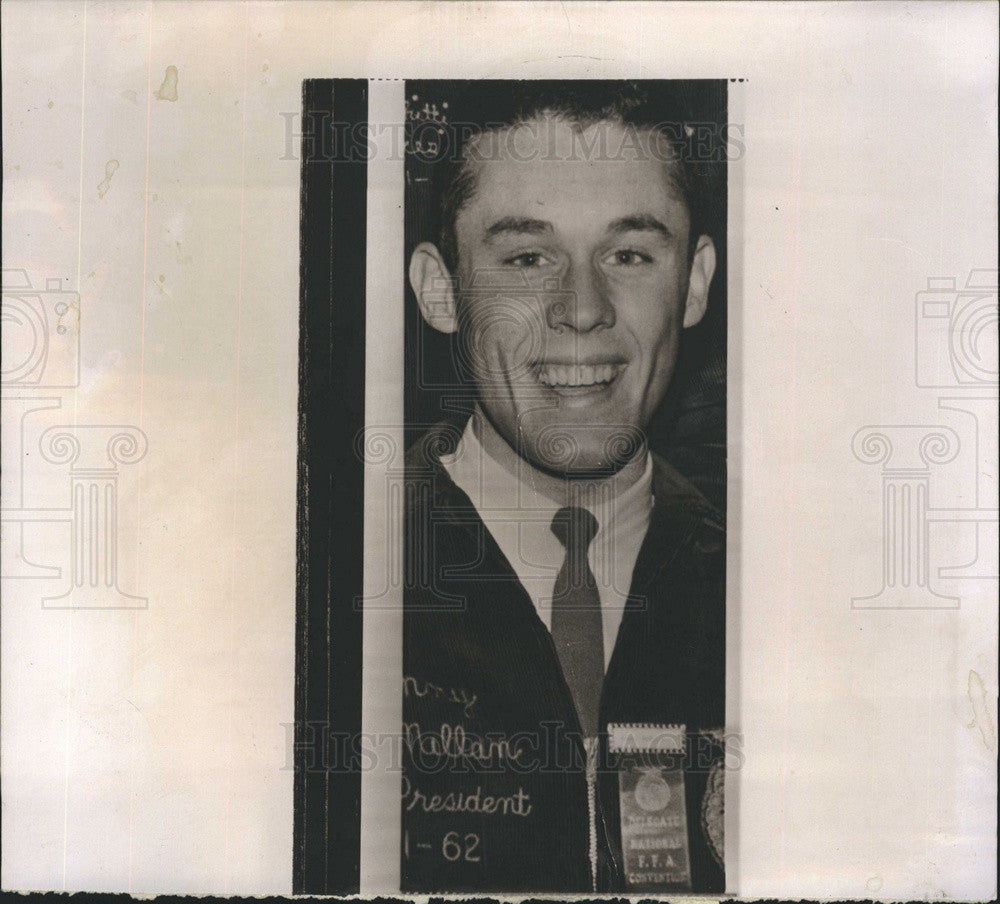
131, 95
168, 90
69, 318
109, 170
980, 711
160, 285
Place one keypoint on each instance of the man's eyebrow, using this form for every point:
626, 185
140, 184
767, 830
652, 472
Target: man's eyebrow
517, 226
642, 222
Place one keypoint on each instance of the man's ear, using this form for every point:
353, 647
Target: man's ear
434, 287
702, 269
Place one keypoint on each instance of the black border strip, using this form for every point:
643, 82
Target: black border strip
330, 539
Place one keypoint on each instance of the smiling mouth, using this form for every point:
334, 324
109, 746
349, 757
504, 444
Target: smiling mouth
578, 378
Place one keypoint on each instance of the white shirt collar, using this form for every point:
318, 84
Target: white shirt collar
520, 518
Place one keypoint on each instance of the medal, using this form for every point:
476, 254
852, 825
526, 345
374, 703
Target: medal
653, 812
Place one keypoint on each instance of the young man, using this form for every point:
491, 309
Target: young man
564, 606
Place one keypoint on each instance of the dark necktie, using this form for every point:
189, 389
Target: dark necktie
576, 615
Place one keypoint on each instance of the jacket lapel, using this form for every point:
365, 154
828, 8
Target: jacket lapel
513, 649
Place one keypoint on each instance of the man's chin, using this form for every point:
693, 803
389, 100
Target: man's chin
563, 453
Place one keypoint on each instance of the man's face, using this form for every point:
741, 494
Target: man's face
574, 276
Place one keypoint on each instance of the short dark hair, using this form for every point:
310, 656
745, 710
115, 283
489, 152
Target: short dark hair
677, 111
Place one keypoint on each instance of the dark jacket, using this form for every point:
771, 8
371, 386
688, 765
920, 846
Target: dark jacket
494, 792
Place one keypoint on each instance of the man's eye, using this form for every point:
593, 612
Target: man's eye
526, 259
625, 257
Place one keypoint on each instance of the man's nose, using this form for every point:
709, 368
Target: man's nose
582, 304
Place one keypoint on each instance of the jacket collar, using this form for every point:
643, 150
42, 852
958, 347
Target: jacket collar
679, 509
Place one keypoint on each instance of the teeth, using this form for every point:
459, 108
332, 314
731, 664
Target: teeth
577, 374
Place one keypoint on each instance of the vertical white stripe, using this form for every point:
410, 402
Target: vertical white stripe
735, 243
382, 670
